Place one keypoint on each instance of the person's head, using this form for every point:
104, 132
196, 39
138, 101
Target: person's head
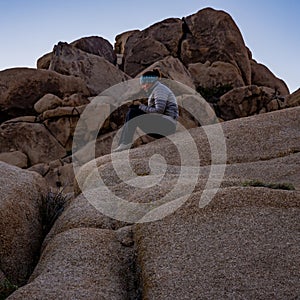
149, 78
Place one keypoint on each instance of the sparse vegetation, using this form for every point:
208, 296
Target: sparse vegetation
52, 206
280, 186
6, 288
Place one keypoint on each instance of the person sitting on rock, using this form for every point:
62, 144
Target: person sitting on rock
158, 118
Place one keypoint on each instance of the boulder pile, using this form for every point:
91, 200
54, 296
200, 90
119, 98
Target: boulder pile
211, 213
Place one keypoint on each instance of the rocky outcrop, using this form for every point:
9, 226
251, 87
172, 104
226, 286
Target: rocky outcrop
143, 48
242, 245
206, 40
173, 69
96, 45
36, 142
210, 46
21, 88
20, 222
248, 101
242, 239
261, 75
83, 263
93, 44
69, 60
122, 232
293, 100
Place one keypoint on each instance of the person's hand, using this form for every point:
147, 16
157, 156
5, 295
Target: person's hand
136, 102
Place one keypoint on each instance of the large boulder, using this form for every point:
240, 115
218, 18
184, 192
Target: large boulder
173, 69
21, 88
293, 99
216, 74
248, 100
213, 36
257, 138
262, 147
261, 75
69, 60
15, 158
93, 44
96, 45
121, 39
143, 48
82, 263
243, 245
21, 231
36, 141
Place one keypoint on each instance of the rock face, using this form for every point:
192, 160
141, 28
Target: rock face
35, 142
22, 87
21, 194
212, 213
96, 268
208, 41
293, 100
240, 246
69, 60
243, 243
94, 45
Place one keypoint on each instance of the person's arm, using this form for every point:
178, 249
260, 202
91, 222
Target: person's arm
160, 103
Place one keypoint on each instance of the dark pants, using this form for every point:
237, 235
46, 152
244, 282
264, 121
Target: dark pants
155, 125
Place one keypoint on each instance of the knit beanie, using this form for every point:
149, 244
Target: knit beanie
148, 79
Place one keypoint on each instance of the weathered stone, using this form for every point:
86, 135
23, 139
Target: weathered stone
20, 224
293, 99
21, 88
173, 69
96, 45
276, 134
261, 75
47, 102
63, 112
44, 61
209, 75
15, 158
245, 101
62, 129
35, 141
25, 119
213, 36
144, 48
71, 61
61, 176
82, 263
143, 54
121, 39
80, 213
75, 100
242, 245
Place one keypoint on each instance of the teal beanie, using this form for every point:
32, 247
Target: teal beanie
148, 79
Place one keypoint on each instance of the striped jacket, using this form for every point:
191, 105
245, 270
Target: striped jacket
161, 100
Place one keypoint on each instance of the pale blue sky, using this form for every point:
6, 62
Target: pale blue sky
30, 28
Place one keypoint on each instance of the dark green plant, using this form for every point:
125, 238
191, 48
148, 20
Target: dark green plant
6, 288
52, 206
280, 186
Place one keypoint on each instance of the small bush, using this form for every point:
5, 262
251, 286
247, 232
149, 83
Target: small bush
6, 288
52, 206
280, 186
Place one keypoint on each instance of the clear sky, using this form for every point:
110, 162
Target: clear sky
30, 28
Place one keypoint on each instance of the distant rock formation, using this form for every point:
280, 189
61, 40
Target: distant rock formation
242, 244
